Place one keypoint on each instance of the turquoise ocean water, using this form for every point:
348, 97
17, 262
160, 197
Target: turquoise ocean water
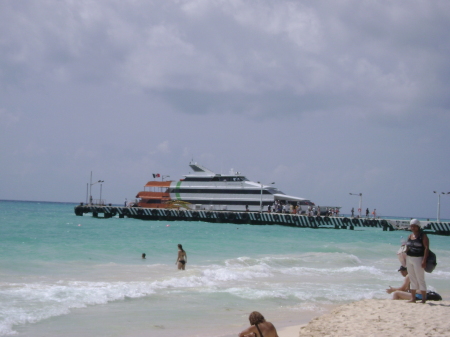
66, 275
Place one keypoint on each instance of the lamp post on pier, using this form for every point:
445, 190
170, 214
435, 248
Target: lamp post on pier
90, 188
438, 218
101, 181
360, 202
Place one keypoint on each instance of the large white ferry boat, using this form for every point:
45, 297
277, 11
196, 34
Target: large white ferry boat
204, 189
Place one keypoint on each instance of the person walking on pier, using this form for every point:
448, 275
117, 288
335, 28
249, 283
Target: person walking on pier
353, 212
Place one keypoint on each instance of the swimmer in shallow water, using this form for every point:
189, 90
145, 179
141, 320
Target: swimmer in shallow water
182, 258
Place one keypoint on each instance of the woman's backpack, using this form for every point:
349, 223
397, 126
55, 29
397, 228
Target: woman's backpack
432, 296
431, 262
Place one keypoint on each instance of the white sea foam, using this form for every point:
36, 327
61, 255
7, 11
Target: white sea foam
439, 274
288, 278
38, 301
30, 303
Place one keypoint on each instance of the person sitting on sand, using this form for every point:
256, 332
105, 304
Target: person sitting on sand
182, 257
259, 327
402, 292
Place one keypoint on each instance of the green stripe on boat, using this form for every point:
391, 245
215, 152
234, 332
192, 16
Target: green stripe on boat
177, 188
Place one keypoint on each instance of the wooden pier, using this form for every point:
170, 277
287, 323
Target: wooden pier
252, 218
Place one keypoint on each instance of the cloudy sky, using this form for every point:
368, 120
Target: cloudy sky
323, 97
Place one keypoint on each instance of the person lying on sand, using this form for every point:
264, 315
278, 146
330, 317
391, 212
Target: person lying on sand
259, 327
402, 292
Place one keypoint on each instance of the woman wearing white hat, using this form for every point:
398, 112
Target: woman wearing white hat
417, 248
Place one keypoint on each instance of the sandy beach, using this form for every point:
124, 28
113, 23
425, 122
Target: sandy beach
381, 318
290, 331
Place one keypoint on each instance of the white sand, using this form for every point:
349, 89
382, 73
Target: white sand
380, 318
290, 331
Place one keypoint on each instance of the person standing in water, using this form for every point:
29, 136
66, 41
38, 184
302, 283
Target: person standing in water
182, 258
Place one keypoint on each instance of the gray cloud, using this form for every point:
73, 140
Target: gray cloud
324, 97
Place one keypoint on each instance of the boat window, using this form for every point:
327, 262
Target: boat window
198, 179
218, 191
153, 201
221, 178
196, 168
275, 190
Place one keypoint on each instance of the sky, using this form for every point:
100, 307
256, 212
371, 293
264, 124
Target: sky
324, 98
